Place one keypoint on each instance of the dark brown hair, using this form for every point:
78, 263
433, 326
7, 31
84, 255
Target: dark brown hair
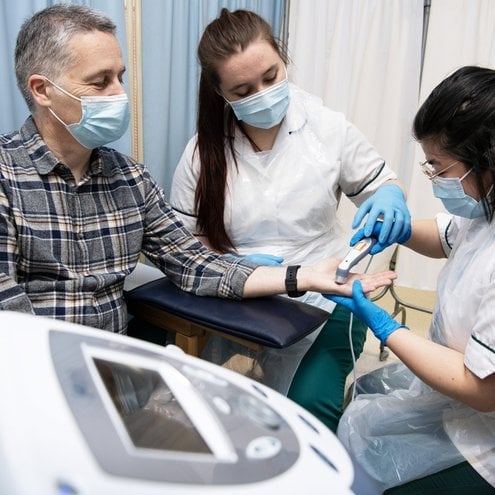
230, 33
459, 117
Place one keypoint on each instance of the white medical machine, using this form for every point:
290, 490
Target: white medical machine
88, 412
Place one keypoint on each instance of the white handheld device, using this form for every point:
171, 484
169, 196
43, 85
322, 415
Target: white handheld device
354, 256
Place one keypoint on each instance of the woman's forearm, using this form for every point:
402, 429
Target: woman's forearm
443, 369
425, 239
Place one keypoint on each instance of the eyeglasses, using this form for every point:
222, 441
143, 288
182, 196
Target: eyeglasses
429, 170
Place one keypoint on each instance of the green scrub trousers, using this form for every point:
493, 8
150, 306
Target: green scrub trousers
460, 479
319, 382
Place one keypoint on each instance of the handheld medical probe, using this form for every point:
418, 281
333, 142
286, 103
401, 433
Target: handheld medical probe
354, 256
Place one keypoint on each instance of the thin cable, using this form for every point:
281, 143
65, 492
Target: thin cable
351, 319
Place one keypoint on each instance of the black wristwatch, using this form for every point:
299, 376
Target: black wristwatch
291, 281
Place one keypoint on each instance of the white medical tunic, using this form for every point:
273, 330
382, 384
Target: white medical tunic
284, 201
464, 320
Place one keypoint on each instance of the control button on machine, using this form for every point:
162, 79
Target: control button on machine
261, 413
263, 447
222, 405
203, 375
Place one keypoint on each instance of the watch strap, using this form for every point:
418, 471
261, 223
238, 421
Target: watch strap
291, 281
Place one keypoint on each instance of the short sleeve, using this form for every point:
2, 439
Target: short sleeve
479, 356
184, 185
448, 228
363, 169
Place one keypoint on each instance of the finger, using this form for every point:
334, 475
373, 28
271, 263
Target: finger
356, 237
374, 217
361, 213
357, 288
387, 224
377, 248
388, 274
358, 294
372, 282
379, 277
397, 228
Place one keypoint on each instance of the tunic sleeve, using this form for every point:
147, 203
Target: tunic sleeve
184, 186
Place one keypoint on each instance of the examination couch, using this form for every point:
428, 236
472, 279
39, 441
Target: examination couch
273, 321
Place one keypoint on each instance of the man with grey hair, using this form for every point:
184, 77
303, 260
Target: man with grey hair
75, 215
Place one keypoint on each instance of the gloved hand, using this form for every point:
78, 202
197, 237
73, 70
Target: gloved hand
376, 318
378, 247
264, 259
261, 259
390, 202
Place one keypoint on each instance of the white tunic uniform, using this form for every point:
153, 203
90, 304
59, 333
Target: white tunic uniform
284, 201
464, 320
411, 433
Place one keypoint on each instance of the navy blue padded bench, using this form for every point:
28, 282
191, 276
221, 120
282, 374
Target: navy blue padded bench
273, 321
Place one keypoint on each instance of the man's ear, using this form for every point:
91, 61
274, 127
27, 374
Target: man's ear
41, 90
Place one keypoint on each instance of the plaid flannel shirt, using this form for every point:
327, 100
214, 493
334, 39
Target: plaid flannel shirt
66, 248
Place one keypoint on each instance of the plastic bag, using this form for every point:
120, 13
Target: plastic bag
274, 368
398, 435
385, 379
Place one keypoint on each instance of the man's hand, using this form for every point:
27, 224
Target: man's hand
320, 277
376, 318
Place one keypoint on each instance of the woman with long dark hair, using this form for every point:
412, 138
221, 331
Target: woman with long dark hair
265, 173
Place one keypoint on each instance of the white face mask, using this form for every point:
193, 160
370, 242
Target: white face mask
104, 119
454, 199
264, 109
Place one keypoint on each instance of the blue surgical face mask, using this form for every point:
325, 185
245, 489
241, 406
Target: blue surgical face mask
104, 119
455, 200
264, 109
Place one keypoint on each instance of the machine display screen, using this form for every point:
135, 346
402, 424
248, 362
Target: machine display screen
150, 413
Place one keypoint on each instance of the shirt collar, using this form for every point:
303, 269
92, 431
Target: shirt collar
45, 161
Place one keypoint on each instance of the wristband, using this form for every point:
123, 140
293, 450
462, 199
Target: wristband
291, 281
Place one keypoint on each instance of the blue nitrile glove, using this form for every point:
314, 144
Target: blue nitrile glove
378, 247
376, 318
261, 259
264, 259
388, 203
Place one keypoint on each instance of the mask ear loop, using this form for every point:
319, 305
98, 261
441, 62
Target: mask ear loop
65, 93
465, 175
62, 89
